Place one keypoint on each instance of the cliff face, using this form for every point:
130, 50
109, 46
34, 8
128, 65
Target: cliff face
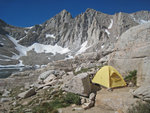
90, 31
132, 52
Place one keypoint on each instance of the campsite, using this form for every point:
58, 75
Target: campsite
87, 90
74, 56
109, 77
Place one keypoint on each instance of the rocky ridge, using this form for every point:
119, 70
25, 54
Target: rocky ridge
90, 31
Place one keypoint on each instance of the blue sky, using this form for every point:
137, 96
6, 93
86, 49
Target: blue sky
25, 13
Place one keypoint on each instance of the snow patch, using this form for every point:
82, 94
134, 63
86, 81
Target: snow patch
102, 46
37, 66
29, 27
8, 66
40, 48
50, 36
140, 21
21, 39
83, 48
69, 57
25, 32
144, 21
5, 56
117, 37
14, 57
21, 64
22, 49
43, 66
5, 59
110, 26
107, 31
14, 66
1, 43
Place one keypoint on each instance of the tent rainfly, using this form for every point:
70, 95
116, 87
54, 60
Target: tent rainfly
109, 77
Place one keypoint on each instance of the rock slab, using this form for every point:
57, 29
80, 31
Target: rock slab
143, 92
27, 93
117, 99
45, 74
79, 84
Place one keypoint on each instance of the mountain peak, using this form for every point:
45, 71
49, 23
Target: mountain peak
64, 12
90, 10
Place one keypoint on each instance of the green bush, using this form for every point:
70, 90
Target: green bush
140, 107
66, 100
44, 108
131, 77
72, 98
59, 102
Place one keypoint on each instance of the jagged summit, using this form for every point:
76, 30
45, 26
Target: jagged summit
64, 12
90, 10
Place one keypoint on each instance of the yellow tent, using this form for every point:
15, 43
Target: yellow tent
109, 77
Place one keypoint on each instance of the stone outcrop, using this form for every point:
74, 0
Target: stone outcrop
92, 96
79, 84
132, 52
5, 93
50, 78
27, 93
143, 92
118, 99
88, 103
45, 74
5, 100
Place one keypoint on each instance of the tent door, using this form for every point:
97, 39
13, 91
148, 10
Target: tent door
114, 78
